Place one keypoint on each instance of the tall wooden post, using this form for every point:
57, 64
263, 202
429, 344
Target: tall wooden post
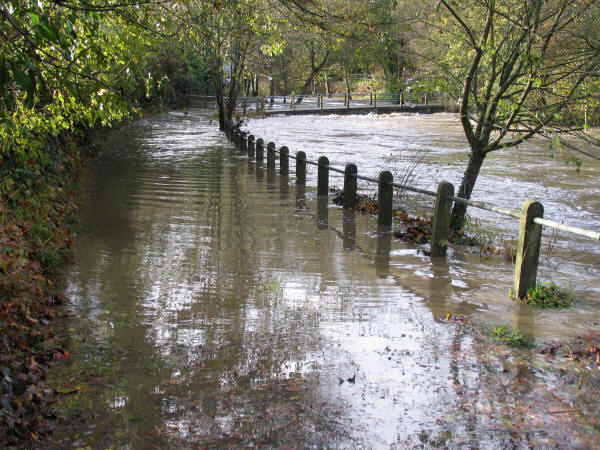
350, 185
528, 248
442, 215
323, 176
385, 197
301, 168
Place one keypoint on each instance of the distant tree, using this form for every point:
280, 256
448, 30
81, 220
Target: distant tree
228, 33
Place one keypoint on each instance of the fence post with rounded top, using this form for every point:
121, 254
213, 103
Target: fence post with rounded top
301, 168
251, 145
528, 248
442, 214
284, 161
323, 176
260, 149
244, 144
350, 185
385, 197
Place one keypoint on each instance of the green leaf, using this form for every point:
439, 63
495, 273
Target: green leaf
35, 19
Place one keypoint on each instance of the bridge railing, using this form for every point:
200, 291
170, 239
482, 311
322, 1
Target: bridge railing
328, 101
530, 216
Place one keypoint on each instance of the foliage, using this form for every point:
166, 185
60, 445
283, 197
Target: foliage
549, 295
38, 212
510, 336
518, 68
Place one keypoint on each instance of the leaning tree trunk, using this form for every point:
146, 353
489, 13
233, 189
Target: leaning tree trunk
459, 211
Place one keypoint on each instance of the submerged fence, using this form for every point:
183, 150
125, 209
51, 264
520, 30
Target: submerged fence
530, 216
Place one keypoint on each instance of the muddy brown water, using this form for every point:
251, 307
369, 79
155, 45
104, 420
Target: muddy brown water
213, 303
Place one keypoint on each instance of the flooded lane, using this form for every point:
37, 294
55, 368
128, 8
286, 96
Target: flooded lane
213, 303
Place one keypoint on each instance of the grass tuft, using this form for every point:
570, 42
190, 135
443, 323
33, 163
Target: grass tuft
549, 295
510, 336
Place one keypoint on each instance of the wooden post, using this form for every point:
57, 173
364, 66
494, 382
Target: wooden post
425, 98
293, 104
371, 99
350, 185
441, 219
385, 196
345, 99
321, 102
244, 145
528, 248
375, 99
284, 161
301, 168
206, 102
260, 149
401, 98
270, 155
251, 146
245, 106
323, 176
348, 103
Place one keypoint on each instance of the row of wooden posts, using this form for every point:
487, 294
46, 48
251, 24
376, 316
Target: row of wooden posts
529, 242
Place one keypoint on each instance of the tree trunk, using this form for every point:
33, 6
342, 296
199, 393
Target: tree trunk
459, 211
347, 84
315, 69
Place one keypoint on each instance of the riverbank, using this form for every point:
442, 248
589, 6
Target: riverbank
39, 215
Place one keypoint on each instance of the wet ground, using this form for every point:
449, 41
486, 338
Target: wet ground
213, 303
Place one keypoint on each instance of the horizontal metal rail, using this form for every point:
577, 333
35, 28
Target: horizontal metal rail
568, 228
488, 207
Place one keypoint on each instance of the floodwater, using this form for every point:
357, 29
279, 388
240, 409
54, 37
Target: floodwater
214, 303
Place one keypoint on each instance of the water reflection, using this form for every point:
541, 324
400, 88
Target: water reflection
300, 197
322, 212
284, 187
271, 178
382, 256
349, 229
